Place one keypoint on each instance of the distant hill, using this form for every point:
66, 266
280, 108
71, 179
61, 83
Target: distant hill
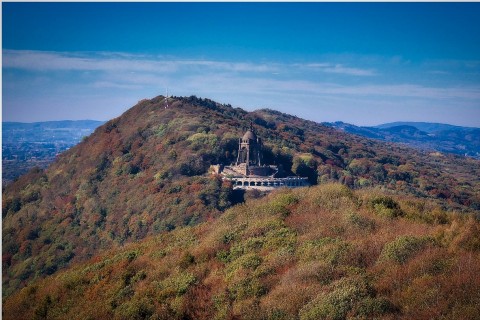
423, 126
26, 145
463, 141
49, 131
146, 173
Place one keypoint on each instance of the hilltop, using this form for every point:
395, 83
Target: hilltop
324, 252
145, 173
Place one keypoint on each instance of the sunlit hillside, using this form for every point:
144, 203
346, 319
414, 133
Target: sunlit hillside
324, 252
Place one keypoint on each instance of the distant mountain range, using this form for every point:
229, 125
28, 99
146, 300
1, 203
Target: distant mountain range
422, 135
66, 131
26, 145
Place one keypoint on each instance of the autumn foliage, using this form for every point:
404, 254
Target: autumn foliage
322, 252
144, 174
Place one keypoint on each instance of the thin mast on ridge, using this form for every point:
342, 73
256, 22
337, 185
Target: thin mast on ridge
166, 100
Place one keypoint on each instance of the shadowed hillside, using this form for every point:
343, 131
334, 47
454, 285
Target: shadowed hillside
324, 252
145, 173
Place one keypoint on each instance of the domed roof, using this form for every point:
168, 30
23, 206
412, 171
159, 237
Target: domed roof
249, 135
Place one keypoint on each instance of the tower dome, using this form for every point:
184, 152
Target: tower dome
249, 135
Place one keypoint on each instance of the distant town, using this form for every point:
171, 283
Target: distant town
28, 145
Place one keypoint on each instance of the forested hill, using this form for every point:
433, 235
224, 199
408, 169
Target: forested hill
145, 172
325, 252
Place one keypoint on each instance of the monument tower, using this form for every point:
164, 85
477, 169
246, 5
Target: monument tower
249, 149
250, 171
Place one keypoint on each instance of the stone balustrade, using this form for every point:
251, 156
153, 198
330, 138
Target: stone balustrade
267, 183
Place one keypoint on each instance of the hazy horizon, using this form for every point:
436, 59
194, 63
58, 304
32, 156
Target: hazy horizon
360, 63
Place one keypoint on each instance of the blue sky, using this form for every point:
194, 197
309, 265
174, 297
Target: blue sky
362, 63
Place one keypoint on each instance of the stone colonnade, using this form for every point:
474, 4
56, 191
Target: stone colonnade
290, 182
